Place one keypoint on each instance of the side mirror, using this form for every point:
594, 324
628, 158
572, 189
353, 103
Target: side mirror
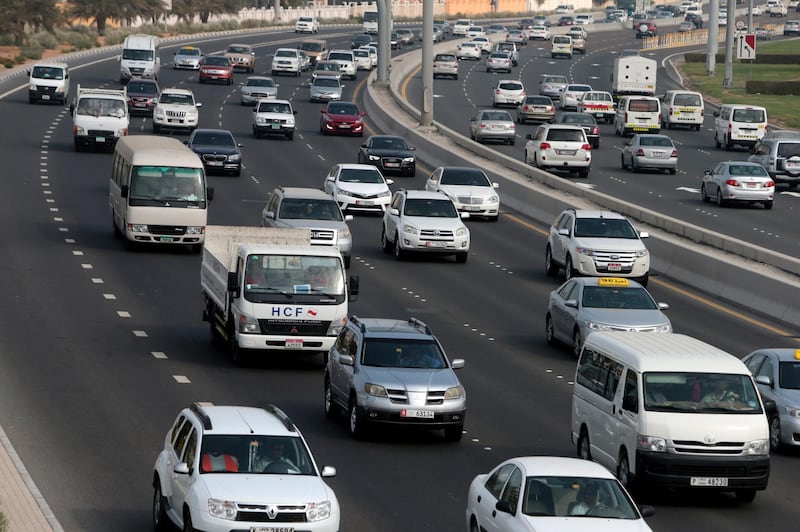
363, 113
123, 191
707, 172
239, 145
457, 363
348, 218
647, 511
504, 506
528, 136
322, 111
644, 234
472, 119
663, 306
352, 287
181, 468
294, 111
328, 471
495, 185
412, 148
269, 214
330, 178
716, 113
198, 104
233, 283
390, 181
464, 215
364, 145
563, 231
345, 360
394, 212
765, 380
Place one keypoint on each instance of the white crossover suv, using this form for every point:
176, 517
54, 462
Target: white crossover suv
176, 109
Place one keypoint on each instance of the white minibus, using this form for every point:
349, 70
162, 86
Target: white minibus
157, 192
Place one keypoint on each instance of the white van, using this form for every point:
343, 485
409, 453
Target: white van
157, 193
669, 410
48, 82
739, 124
140, 58
562, 46
682, 107
637, 114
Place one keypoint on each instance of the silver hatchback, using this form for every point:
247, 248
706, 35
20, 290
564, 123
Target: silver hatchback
494, 125
256, 87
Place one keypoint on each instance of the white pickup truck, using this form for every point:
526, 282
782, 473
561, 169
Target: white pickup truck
270, 289
99, 117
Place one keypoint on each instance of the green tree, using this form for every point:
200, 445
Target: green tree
16, 15
203, 9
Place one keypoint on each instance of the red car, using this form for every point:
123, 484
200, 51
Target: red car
645, 28
566, 21
344, 118
216, 68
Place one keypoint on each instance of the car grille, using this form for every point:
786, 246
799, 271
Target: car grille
259, 95
167, 229
363, 196
720, 448
399, 396
258, 513
135, 71
175, 114
323, 236
632, 329
305, 328
470, 200
209, 157
275, 120
392, 162
100, 133
436, 234
46, 89
614, 256
143, 99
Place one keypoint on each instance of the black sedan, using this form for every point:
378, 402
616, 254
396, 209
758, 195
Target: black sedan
361, 40
389, 153
218, 150
586, 121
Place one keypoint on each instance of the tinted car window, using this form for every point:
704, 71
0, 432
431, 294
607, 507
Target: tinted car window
752, 116
567, 135
687, 99
645, 106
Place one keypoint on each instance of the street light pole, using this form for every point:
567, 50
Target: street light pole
426, 117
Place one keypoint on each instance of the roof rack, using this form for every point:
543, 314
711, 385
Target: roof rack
197, 408
280, 414
420, 325
360, 324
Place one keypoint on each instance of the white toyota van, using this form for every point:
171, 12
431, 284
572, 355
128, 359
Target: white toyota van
682, 108
48, 82
739, 124
669, 410
637, 114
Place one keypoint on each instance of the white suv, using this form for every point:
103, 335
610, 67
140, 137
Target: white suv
287, 61
236, 467
176, 109
307, 25
425, 222
560, 147
346, 60
596, 243
273, 117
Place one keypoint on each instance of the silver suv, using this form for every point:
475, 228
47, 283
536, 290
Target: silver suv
394, 372
596, 244
780, 157
310, 208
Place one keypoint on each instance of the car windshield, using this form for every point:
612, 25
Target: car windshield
434, 208
389, 143
326, 82
259, 82
361, 53
287, 278
310, 209
658, 141
499, 55
274, 107
643, 106
44, 72
500, 116
238, 50
789, 375
311, 46
176, 99
306, 19
465, 176
247, 454
101, 107
396, 353
631, 298
189, 51
753, 170
604, 228
700, 393
343, 109
579, 497
360, 175
286, 53
692, 100
166, 186
538, 100
750, 116
213, 138
216, 61
578, 88
565, 135
142, 87
341, 57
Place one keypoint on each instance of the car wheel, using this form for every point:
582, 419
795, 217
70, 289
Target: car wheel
331, 408
187, 521
768, 204
569, 271
160, 519
728, 144
703, 194
720, 201
622, 161
461, 258
399, 254
549, 332
454, 434
717, 144
290, 136
156, 128
697, 127
577, 342
596, 144
745, 496
550, 267
512, 141
643, 279
634, 164
583, 172
672, 171
357, 422
774, 433
584, 448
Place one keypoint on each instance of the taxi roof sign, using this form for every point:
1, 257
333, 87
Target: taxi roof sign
797, 354
613, 281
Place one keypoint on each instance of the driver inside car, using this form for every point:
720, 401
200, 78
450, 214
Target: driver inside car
276, 461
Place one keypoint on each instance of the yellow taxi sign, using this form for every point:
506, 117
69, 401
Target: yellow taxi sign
613, 281
797, 354
187, 47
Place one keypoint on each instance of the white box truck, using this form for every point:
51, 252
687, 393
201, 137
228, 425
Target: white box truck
633, 75
270, 289
99, 117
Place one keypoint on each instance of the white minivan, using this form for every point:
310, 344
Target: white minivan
669, 410
637, 114
48, 82
739, 124
562, 46
682, 108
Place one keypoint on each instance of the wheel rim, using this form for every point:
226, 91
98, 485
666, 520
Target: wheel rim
327, 397
548, 330
397, 250
548, 260
719, 198
353, 419
157, 507
775, 432
568, 269
576, 343
623, 473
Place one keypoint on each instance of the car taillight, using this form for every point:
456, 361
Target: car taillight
659, 118
525, 108
483, 126
671, 111
595, 130
545, 146
640, 152
550, 108
674, 153
522, 94
586, 147
732, 182
497, 91
702, 112
769, 184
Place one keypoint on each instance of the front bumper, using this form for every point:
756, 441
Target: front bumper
381, 410
343, 129
262, 342
409, 242
676, 471
589, 267
46, 95
215, 77
481, 209
175, 123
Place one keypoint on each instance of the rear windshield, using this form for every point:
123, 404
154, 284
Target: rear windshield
687, 99
655, 141
311, 46
511, 86
566, 135
561, 40
788, 149
643, 106
445, 57
750, 116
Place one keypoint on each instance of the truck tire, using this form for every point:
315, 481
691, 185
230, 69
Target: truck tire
238, 355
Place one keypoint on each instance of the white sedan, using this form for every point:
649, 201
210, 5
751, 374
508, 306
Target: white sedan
358, 187
552, 493
540, 32
469, 188
469, 50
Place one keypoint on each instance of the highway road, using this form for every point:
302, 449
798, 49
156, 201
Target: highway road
101, 347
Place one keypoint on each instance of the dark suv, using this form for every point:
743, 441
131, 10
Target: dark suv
142, 96
393, 372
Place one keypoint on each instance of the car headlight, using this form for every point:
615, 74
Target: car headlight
757, 447
290, 122
492, 199
33, 87
641, 253
651, 443
585, 251
408, 159
193, 114
376, 390
138, 228
343, 192
336, 327
666, 328
195, 229
261, 120
248, 325
159, 112
410, 229
79, 130
454, 393
792, 411
461, 231
122, 132
317, 511
235, 158
222, 509
384, 194
374, 158
594, 326
344, 234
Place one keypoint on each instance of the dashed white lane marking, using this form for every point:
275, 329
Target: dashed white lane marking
158, 354
64, 229
87, 266
139, 334
97, 280
58, 219
69, 240
53, 209
109, 296
77, 252
123, 314
181, 379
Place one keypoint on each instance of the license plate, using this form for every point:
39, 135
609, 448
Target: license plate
614, 267
751, 185
139, 104
435, 244
719, 482
172, 120
166, 239
344, 126
599, 115
395, 165
658, 155
271, 529
363, 202
45, 96
791, 164
215, 163
565, 152
293, 343
275, 126
425, 414
100, 139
